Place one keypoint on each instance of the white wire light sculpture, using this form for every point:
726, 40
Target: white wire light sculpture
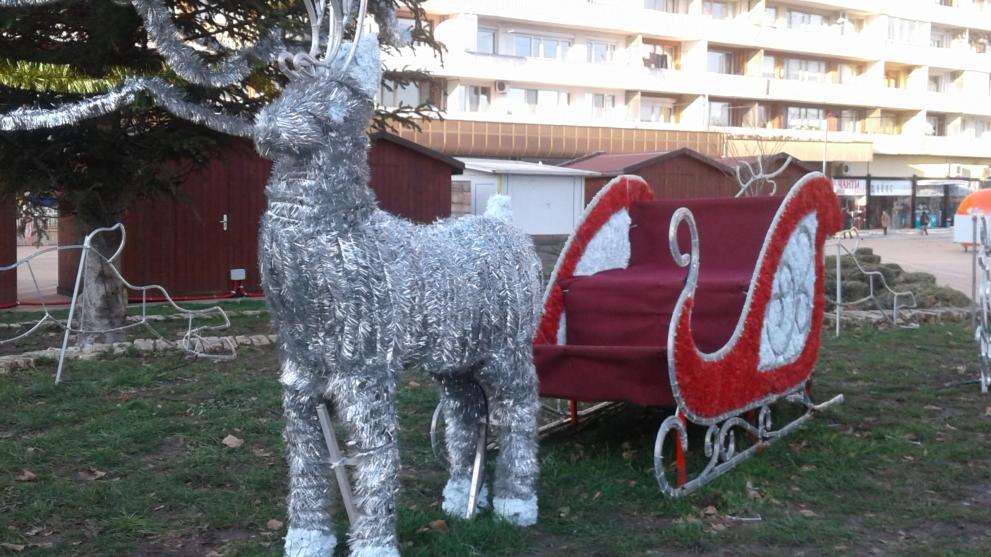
191, 342
981, 332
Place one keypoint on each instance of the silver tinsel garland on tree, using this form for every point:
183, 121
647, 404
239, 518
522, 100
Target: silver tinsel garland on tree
185, 61
164, 95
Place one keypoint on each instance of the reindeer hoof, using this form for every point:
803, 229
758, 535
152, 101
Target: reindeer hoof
301, 542
521, 512
376, 551
456, 497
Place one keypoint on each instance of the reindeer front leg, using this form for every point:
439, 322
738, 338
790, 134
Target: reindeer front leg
365, 402
310, 529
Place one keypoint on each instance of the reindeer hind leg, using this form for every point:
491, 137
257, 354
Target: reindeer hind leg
514, 406
464, 408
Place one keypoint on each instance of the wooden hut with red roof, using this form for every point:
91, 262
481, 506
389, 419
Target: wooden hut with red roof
681, 173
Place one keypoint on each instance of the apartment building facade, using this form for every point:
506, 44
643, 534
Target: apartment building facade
896, 90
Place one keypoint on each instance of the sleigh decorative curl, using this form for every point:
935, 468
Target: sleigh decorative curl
721, 342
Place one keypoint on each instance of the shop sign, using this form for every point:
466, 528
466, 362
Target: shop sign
891, 188
852, 187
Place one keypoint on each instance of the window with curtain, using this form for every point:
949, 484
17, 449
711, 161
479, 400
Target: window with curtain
485, 41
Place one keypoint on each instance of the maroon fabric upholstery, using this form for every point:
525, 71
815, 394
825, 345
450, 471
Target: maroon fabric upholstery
731, 232
617, 321
600, 373
632, 307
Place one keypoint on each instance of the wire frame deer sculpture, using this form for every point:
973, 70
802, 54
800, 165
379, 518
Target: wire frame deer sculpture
358, 295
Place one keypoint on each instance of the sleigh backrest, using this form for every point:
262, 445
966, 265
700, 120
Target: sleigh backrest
731, 231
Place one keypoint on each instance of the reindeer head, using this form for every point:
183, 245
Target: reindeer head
328, 101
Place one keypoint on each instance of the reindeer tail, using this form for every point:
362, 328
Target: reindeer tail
500, 208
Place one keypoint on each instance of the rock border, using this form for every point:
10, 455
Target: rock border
203, 345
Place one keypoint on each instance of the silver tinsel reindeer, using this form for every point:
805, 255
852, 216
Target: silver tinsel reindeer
358, 295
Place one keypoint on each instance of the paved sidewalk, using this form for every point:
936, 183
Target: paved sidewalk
937, 254
45, 268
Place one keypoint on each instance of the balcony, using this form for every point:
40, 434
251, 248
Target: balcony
952, 146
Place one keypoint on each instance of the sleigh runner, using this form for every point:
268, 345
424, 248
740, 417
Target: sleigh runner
739, 330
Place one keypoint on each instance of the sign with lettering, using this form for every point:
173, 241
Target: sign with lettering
890, 188
853, 187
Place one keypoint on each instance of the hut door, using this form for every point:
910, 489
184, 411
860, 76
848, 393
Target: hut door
8, 252
247, 174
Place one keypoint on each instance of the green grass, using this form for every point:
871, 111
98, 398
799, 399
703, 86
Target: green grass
901, 468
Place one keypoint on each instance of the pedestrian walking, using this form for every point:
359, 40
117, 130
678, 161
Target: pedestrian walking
924, 221
885, 221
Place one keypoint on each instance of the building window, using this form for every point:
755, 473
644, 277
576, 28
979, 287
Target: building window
600, 52
806, 21
719, 113
759, 116
394, 95
939, 82
804, 118
908, 31
475, 98
978, 127
669, 6
771, 17
656, 110
889, 124
770, 67
849, 121
937, 124
805, 70
846, 73
719, 10
485, 42
940, 38
602, 105
540, 47
721, 62
529, 101
659, 56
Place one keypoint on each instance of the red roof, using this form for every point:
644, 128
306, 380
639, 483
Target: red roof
624, 163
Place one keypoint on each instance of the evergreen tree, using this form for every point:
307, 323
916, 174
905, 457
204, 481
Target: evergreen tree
59, 52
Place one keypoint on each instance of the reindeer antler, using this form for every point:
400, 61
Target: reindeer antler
293, 64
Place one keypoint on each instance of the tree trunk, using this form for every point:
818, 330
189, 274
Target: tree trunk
102, 304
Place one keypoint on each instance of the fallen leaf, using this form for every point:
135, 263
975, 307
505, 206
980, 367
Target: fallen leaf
232, 442
12, 546
91, 474
564, 511
439, 525
273, 524
38, 531
26, 476
807, 513
752, 492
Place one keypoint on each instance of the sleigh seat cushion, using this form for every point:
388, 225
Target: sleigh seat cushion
632, 307
604, 373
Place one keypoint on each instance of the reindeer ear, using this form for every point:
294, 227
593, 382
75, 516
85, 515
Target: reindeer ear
365, 71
